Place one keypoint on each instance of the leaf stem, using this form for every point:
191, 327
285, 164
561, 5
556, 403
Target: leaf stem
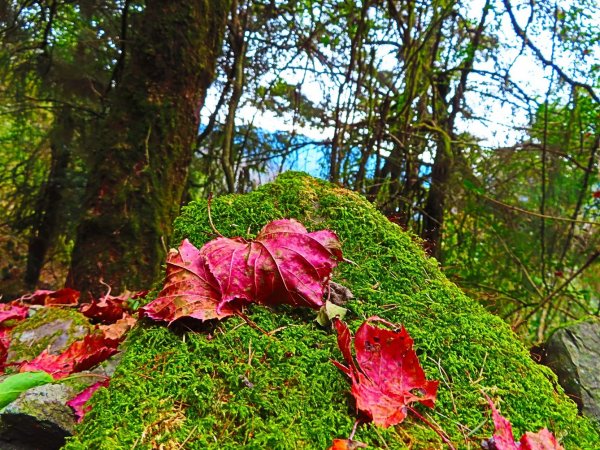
354, 427
439, 432
253, 324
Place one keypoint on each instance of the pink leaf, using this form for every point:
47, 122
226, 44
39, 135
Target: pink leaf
503, 438
9, 311
79, 401
542, 440
190, 290
284, 264
107, 309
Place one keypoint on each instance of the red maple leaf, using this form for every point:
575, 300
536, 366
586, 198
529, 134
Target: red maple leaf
107, 309
64, 296
387, 376
284, 264
503, 438
190, 289
78, 403
81, 355
9, 311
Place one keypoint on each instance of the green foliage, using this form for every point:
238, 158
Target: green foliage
229, 384
13, 385
517, 263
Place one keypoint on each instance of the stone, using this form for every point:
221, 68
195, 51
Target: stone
50, 328
38, 419
573, 353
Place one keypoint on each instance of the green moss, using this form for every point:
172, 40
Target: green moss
232, 386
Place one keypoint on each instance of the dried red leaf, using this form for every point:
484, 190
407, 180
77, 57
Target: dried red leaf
81, 355
190, 289
284, 264
65, 297
117, 330
10, 311
78, 403
503, 438
346, 444
387, 376
107, 309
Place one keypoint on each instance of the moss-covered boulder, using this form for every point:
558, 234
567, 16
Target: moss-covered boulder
51, 328
231, 385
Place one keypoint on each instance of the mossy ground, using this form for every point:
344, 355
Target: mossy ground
230, 386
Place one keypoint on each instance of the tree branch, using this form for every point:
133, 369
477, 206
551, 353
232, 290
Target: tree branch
536, 51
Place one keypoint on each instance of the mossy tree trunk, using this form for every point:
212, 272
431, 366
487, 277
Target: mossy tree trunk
50, 198
142, 149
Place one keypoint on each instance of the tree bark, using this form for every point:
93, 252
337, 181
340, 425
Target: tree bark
143, 148
49, 202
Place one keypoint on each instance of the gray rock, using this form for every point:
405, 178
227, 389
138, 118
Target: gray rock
38, 419
573, 353
51, 329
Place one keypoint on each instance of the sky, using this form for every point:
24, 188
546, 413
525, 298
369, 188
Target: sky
500, 122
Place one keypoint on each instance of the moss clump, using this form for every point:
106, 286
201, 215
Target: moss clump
231, 386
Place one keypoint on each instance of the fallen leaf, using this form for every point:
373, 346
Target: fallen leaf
106, 310
78, 403
346, 444
117, 330
284, 264
4, 343
13, 385
542, 440
387, 376
190, 289
330, 311
503, 438
81, 355
64, 297
9, 311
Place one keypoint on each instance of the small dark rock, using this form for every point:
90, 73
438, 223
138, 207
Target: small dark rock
38, 419
338, 294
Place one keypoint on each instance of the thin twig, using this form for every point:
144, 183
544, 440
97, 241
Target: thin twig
188, 437
210, 221
253, 324
532, 213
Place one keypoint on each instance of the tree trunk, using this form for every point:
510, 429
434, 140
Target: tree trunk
433, 219
142, 150
48, 204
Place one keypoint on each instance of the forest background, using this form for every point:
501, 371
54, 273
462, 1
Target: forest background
473, 124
